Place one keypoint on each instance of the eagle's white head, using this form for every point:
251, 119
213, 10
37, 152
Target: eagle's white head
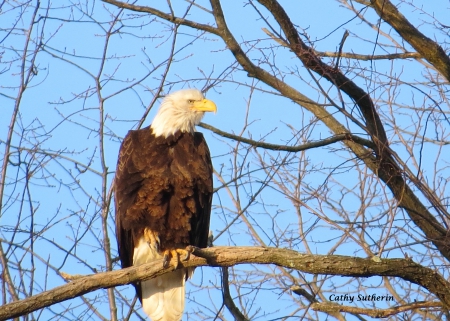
181, 111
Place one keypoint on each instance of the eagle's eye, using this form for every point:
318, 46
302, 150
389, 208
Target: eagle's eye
190, 101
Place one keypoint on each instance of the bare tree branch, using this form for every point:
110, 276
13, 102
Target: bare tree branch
229, 256
350, 55
374, 313
428, 48
298, 148
163, 15
228, 300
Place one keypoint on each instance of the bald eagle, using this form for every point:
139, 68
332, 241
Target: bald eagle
163, 191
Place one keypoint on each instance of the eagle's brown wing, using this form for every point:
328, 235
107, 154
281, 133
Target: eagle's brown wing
142, 189
200, 222
127, 182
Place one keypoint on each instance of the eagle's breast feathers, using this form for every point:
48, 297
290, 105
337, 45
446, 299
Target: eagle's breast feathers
165, 186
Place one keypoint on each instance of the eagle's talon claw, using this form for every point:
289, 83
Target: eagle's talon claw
186, 256
186, 252
166, 259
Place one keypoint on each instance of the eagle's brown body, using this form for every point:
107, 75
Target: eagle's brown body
163, 184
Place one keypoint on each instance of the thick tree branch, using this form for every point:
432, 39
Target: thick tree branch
329, 307
428, 48
229, 256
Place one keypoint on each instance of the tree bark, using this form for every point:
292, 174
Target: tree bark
229, 256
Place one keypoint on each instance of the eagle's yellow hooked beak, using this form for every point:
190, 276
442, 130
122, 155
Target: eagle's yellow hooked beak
204, 105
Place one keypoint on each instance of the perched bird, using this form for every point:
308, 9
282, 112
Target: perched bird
163, 192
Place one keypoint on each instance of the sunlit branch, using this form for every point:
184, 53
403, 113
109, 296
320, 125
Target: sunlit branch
229, 256
329, 307
405, 55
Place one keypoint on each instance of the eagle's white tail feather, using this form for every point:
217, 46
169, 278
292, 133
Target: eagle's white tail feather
162, 297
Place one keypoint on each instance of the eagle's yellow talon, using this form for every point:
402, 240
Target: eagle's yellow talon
177, 254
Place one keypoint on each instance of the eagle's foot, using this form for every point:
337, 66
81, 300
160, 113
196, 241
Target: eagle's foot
178, 255
152, 238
